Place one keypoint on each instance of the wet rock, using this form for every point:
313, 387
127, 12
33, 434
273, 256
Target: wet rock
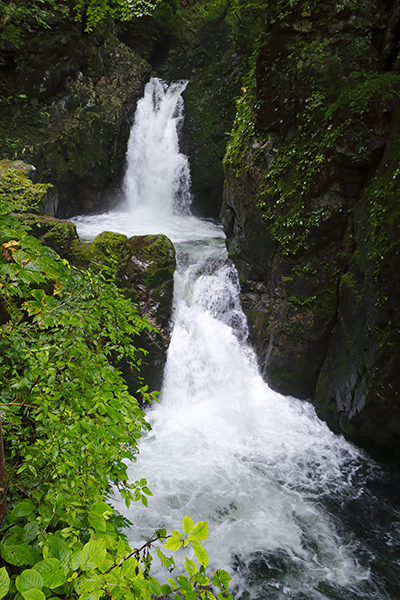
149, 281
74, 128
145, 274
52, 232
312, 220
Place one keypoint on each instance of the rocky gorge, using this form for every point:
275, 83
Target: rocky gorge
308, 93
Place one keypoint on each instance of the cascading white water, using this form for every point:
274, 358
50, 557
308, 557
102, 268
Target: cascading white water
158, 175
294, 511
156, 187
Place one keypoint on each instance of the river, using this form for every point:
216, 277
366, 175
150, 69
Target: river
294, 511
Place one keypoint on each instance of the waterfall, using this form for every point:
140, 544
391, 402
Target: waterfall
294, 511
157, 176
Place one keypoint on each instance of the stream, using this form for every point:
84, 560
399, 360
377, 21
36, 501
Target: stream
294, 511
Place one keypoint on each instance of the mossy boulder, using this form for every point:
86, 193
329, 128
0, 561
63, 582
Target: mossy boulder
150, 272
55, 233
145, 273
107, 249
19, 194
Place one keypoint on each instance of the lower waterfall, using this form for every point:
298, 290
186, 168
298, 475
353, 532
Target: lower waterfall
294, 511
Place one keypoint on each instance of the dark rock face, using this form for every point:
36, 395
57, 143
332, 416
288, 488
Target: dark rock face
76, 126
149, 281
209, 113
312, 219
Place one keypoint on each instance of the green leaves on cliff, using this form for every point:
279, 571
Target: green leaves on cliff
21, 19
70, 422
313, 101
91, 12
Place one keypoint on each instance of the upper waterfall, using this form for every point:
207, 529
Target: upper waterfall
157, 175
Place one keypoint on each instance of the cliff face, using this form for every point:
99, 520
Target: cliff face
311, 209
73, 97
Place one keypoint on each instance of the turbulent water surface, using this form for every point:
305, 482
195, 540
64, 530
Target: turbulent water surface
294, 511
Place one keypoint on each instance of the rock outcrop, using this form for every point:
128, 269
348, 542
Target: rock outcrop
145, 267
311, 212
75, 123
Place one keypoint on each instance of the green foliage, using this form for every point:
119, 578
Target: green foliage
17, 19
17, 192
61, 395
70, 426
94, 11
303, 96
88, 562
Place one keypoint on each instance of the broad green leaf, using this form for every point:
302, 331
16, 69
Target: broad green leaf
97, 522
40, 295
190, 567
184, 583
93, 554
100, 508
33, 594
173, 543
76, 559
161, 533
16, 554
166, 589
4, 582
60, 550
22, 509
200, 530
201, 555
172, 583
52, 571
187, 525
31, 530
221, 579
154, 587
29, 579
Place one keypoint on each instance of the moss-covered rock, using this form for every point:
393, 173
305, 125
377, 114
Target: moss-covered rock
209, 114
149, 281
19, 194
52, 232
145, 273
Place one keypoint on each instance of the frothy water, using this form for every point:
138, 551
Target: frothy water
156, 186
294, 511
158, 174
284, 496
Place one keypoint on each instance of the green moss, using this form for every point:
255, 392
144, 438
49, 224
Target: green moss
306, 93
159, 255
17, 192
107, 249
52, 232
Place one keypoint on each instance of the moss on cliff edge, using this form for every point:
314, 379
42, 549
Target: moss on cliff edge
17, 191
